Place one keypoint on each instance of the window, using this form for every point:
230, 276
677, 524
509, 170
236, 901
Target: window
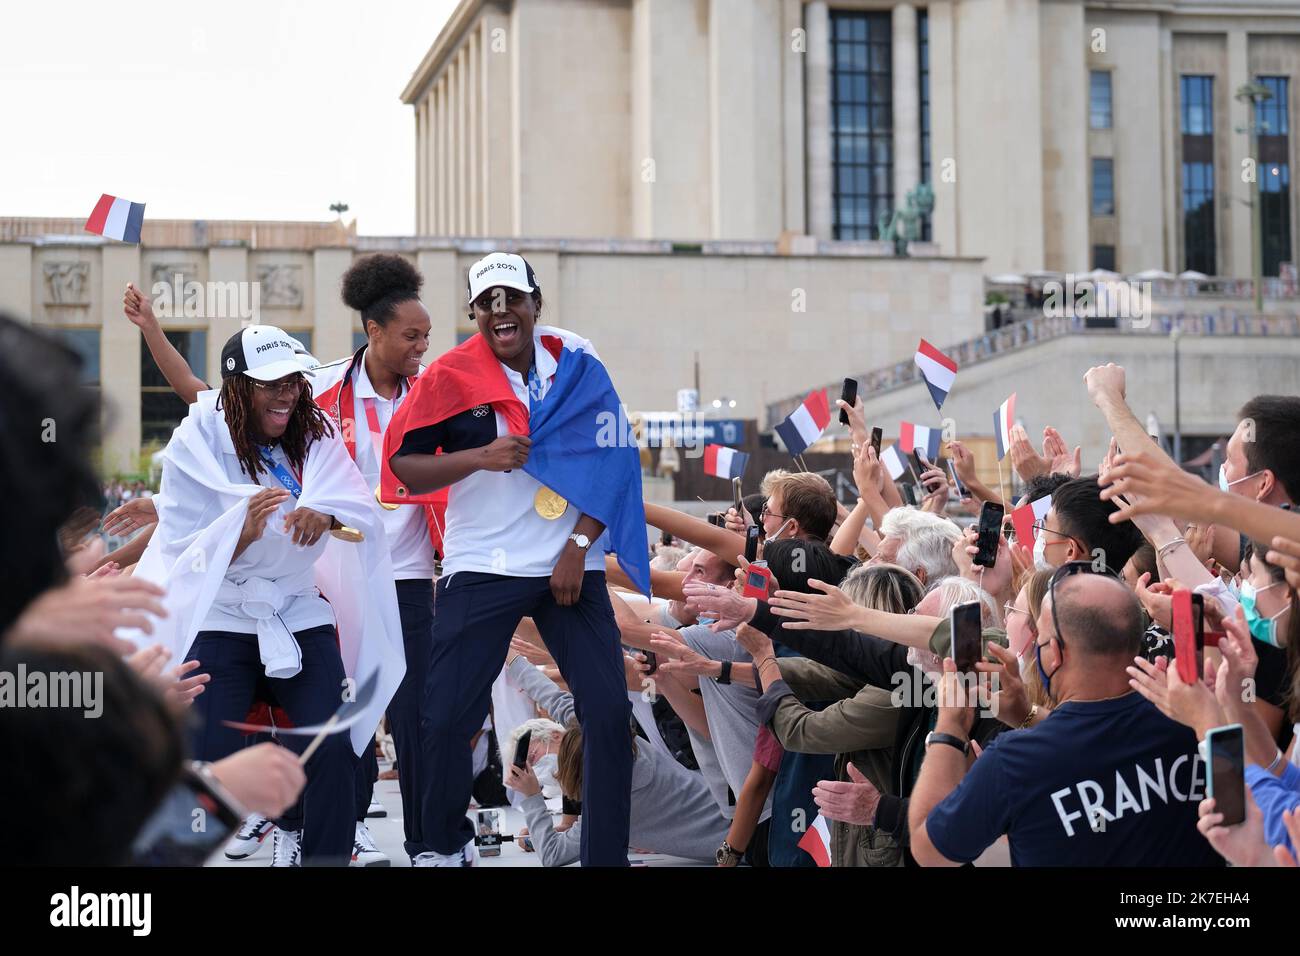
302, 335
85, 342
1196, 109
161, 410
862, 126
1099, 113
1197, 100
1271, 117
1103, 257
923, 63
1103, 186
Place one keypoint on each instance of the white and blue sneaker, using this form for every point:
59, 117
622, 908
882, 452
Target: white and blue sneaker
364, 850
286, 850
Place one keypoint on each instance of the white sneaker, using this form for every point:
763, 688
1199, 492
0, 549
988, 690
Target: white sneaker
377, 809
468, 856
286, 850
365, 852
249, 838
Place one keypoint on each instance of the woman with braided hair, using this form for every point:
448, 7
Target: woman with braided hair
253, 482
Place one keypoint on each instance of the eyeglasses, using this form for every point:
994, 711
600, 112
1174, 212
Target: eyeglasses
770, 514
291, 383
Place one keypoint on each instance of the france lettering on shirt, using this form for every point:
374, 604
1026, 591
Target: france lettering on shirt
1097, 807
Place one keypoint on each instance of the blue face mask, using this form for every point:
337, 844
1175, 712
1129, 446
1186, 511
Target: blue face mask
1225, 484
1042, 674
1261, 628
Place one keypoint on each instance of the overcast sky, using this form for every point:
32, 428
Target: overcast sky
238, 110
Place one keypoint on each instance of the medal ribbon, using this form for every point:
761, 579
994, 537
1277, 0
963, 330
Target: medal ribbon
282, 474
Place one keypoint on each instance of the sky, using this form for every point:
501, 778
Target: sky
239, 110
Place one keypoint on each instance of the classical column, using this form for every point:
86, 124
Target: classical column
907, 102
817, 82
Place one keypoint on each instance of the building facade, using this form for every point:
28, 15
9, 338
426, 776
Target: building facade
1063, 135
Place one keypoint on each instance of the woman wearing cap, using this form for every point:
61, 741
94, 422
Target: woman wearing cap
254, 481
516, 546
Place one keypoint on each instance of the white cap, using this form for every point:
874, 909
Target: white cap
501, 269
262, 352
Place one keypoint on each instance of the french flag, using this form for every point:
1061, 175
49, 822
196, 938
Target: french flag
1003, 419
816, 842
723, 462
894, 462
920, 437
115, 218
806, 423
1024, 518
937, 369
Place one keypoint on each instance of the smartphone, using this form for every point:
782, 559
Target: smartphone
962, 490
1189, 638
966, 630
752, 534
848, 395
193, 822
877, 434
652, 659
908, 491
918, 463
990, 529
521, 749
1226, 773
739, 504
488, 837
756, 580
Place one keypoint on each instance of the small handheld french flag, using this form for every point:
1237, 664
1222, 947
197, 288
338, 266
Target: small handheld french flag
115, 218
894, 462
806, 423
723, 462
1024, 518
937, 369
920, 437
1003, 419
816, 842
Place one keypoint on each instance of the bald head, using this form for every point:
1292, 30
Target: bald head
1097, 614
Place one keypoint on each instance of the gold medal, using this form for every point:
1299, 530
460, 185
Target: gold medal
384, 504
344, 533
548, 504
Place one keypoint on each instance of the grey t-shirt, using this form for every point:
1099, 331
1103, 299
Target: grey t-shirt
732, 712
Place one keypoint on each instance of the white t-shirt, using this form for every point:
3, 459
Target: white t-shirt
408, 532
272, 556
492, 525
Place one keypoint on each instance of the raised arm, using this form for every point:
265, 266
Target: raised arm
177, 371
725, 544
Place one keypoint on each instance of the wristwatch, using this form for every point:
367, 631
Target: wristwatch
581, 540
935, 737
725, 676
727, 855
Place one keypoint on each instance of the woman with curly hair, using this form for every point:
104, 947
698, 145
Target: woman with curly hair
254, 481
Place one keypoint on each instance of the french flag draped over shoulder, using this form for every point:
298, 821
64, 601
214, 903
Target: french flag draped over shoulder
1003, 419
723, 462
937, 369
115, 218
920, 437
806, 423
816, 841
582, 448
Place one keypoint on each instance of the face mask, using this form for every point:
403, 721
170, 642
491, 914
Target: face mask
1225, 484
544, 770
1040, 553
1042, 674
1261, 628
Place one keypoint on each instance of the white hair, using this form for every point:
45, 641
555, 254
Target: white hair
667, 557
954, 590
927, 542
540, 728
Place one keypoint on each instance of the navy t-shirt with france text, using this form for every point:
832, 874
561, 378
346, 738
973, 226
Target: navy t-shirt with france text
1097, 783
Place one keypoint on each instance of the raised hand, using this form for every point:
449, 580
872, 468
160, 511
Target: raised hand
138, 307
132, 516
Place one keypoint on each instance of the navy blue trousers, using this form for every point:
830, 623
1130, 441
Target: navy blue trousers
476, 615
310, 697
